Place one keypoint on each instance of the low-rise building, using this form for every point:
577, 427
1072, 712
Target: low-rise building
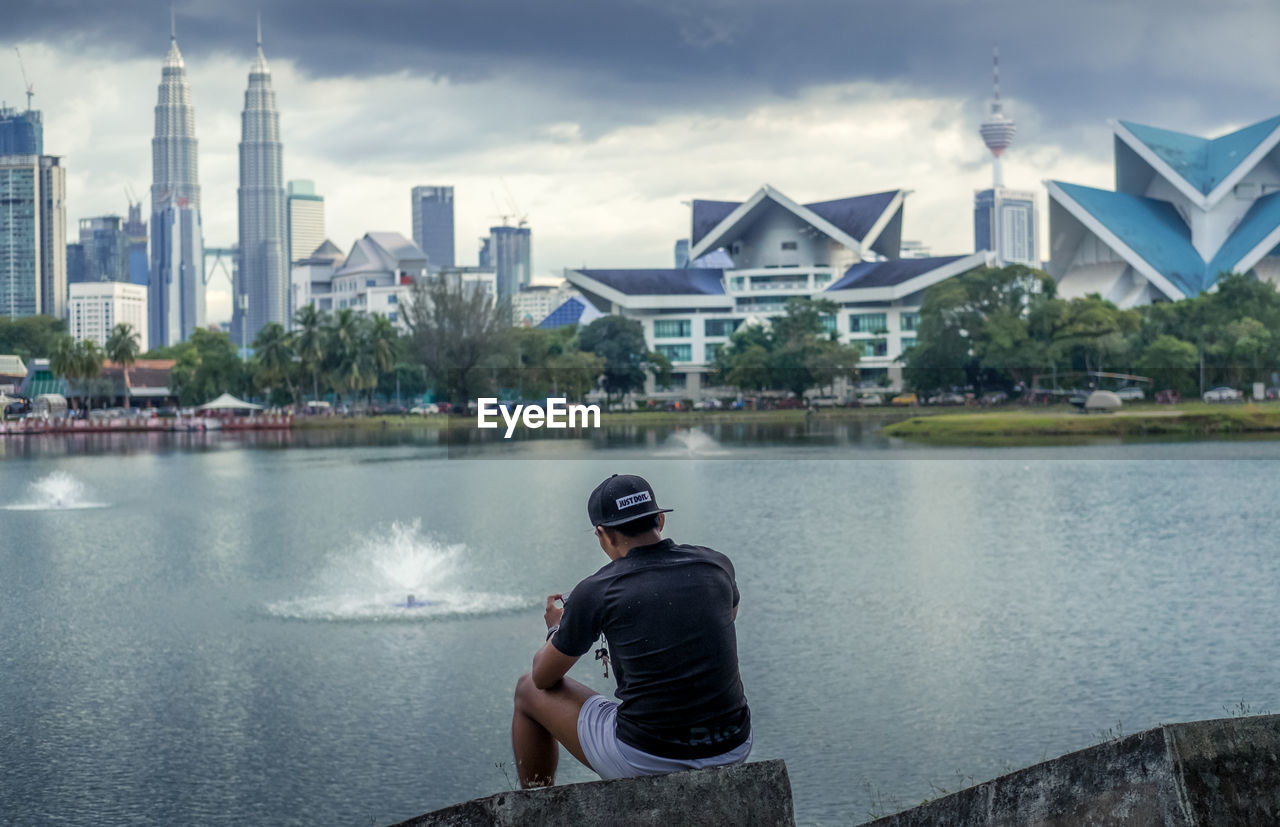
767, 250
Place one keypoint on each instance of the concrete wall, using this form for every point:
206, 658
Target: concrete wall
746, 794
1222, 772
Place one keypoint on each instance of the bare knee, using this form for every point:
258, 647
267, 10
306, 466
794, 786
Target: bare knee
525, 690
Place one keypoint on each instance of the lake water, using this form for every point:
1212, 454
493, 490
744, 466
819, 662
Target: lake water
204, 629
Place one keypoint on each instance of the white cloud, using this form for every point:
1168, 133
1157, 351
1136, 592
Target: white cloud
600, 197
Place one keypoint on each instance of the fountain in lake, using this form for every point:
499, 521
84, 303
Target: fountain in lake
692, 443
58, 491
394, 574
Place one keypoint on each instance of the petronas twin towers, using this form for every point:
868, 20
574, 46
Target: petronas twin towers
261, 288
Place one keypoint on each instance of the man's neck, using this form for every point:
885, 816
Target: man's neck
646, 539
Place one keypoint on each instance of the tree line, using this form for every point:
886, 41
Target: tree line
1006, 328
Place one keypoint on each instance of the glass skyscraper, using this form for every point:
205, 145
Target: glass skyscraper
175, 294
101, 254
1004, 221
21, 133
262, 288
433, 225
510, 254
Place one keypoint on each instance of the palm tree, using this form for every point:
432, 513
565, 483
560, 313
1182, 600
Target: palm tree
342, 350
87, 357
273, 351
309, 343
380, 345
63, 361
122, 348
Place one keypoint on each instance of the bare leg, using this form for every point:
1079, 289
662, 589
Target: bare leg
544, 719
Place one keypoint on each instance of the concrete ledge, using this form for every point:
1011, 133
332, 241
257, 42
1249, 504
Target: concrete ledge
1221, 772
744, 794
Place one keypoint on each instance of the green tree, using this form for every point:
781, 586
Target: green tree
122, 348
31, 337
458, 333
619, 341
309, 343
273, 359
797, 351
208, 366
1171, 363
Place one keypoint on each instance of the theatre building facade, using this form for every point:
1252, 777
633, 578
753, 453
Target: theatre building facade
746, 259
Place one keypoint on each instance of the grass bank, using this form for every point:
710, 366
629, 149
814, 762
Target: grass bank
1192, 420
641, 418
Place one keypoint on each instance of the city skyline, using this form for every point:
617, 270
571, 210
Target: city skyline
573, 134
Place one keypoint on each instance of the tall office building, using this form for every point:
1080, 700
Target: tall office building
101, 253
304, 214
33, 236
175, 290
262, 288
136, 231
433, 225
21, 133
1004, 220
508, 250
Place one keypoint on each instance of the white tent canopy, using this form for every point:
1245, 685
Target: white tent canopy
227, 402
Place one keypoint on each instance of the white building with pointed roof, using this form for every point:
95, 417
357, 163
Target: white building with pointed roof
377, 275
1184, 211
748, 258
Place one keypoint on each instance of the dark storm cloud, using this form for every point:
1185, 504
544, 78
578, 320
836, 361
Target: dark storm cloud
1077, 61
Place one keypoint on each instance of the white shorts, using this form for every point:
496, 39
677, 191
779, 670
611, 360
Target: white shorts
610, 758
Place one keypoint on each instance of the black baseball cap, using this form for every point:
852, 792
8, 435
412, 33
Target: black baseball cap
621, 499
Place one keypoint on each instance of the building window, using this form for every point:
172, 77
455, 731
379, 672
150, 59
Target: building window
676, 353
675, 382
828, 323
393, 299
672, 329
370, 282
720, 327
788, 245
391, 316
737, 282
907, 341
868, 323
872, 347
712, 349
910, 321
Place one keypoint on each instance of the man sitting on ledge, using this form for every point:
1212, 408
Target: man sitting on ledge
667, 613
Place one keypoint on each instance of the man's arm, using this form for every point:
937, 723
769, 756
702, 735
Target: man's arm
550, 665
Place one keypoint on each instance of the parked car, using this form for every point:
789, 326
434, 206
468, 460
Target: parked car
947, 399
709, 404
1223, 394
995, 398
905, 399
1132, 393
870, 400
423, 410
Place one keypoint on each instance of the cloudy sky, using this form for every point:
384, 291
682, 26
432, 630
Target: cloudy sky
600, 117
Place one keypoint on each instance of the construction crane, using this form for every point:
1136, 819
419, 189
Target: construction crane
31, 90
522, 217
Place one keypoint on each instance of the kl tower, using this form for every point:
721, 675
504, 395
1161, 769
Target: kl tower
998, 129
1004, 220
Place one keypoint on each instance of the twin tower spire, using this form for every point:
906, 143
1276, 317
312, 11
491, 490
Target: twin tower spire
260, 289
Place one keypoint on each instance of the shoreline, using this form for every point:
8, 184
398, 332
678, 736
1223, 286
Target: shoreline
1193, 420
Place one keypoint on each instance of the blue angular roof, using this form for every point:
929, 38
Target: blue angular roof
1261, 219
889, 273
1204, 163
693, 281
566, 314
856, 215
1151, 228
707, 214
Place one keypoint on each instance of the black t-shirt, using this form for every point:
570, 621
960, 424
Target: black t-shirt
666, 612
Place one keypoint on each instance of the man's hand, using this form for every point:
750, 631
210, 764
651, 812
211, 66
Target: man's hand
554, 612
